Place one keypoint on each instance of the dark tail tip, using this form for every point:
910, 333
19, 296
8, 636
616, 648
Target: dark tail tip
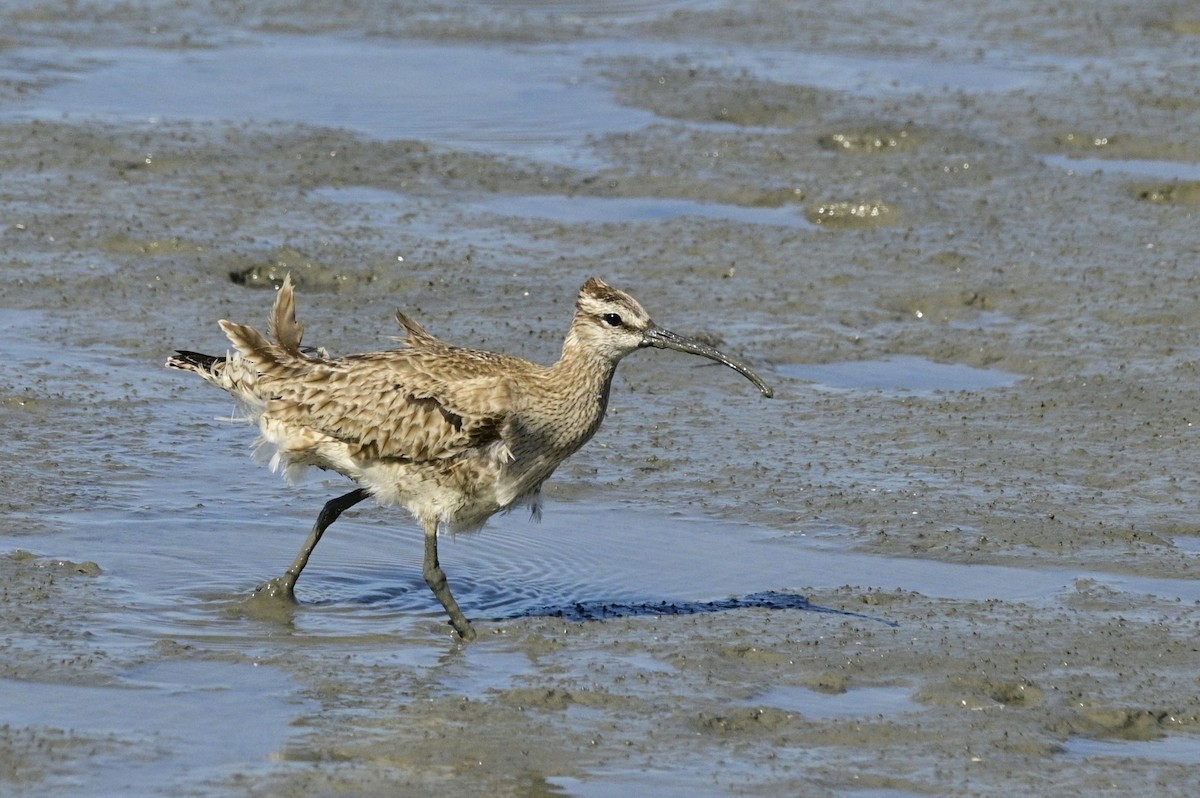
183, 359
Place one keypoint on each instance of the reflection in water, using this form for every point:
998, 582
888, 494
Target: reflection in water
900, 374
599, 610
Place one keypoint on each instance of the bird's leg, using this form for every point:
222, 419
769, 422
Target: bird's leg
435, 577
285, 586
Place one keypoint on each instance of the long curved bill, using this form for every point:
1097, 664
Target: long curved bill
665, 339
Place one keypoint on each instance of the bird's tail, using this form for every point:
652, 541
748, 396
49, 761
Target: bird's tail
223, 372
257, 349
256, 357
193, 361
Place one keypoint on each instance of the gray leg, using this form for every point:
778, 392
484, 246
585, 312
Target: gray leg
285, 586
435, 577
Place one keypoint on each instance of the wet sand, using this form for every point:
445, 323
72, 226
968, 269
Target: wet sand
956, 555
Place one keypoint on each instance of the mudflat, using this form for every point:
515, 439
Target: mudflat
955, 555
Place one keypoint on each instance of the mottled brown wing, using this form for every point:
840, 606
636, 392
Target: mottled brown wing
418, 405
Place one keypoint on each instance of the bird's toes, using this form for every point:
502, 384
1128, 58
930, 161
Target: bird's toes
466, 632
280, 589
272, 601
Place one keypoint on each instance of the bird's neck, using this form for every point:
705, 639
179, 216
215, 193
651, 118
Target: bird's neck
579, 385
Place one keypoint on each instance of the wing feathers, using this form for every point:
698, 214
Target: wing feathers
248, 342
389, 405
430, 401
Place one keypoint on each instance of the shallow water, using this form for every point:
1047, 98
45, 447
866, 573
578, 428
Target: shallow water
172, 725
527, 100
538, 101
178, 577
1141, 167
865, 702
181, 576
1181, 750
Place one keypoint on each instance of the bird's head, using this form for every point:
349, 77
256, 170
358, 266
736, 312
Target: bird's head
610, 323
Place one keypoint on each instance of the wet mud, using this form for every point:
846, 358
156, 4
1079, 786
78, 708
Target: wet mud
957, 554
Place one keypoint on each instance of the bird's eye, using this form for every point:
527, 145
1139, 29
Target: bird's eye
612, 319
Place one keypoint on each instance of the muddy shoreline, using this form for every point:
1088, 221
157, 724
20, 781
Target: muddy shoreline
1006, 188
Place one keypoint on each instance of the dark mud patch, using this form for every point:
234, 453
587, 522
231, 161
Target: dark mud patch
697, 93
1180, 193
1116, 723
33, 759
307, 273
45, 607
1118, 146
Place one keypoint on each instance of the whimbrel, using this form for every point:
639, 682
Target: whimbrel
454, 435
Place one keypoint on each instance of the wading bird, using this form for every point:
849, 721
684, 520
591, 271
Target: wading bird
453, 435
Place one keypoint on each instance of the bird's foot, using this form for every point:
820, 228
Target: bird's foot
464, 628
282, 589
273, 601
